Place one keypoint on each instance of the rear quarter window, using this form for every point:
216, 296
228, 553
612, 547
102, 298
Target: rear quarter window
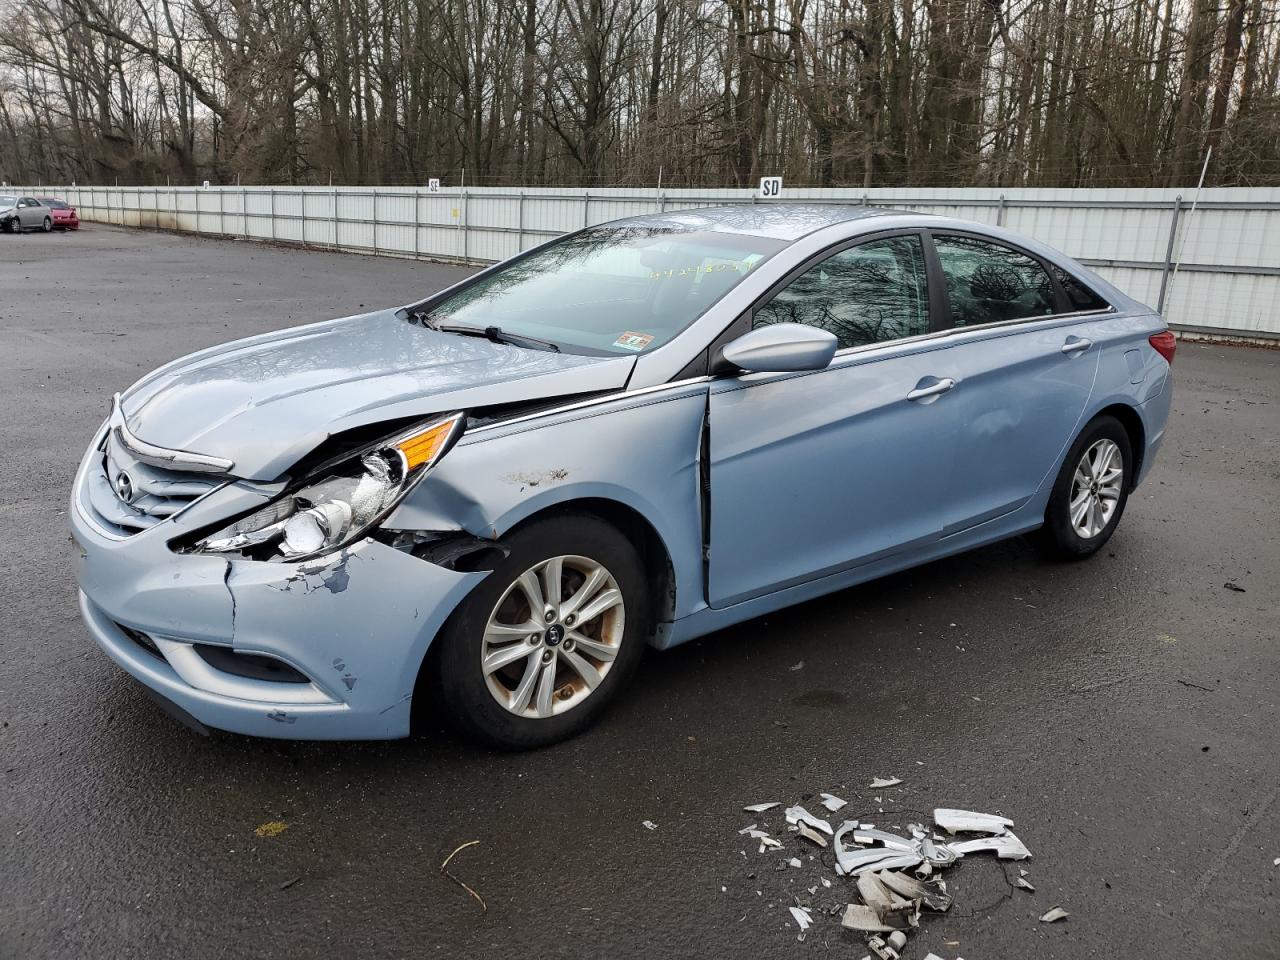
1079, 296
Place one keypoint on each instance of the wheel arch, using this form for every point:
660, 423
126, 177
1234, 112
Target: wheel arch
1131, 420
639, 531
655, 558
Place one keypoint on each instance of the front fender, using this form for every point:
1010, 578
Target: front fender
639, 450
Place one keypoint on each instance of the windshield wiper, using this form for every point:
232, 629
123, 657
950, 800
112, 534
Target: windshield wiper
496, 334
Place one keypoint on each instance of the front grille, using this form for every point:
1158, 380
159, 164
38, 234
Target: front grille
129, 496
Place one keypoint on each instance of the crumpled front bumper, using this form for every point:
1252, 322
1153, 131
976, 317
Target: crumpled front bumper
356, 624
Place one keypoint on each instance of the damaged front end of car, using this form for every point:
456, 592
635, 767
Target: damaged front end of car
269, 608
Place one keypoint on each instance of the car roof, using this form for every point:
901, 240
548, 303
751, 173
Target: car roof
779, 221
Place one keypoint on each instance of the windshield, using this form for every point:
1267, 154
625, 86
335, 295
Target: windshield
610, 289
8, 201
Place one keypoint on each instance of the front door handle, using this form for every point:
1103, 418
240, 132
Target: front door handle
1076, 345
933, 390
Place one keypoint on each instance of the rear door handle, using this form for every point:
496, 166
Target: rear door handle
933, 390
1076, 345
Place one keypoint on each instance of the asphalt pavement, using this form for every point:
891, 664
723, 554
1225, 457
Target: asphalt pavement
1122, 711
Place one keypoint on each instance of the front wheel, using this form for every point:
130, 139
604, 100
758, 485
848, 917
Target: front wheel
1090, 493
47, 225
543, 644
14, 225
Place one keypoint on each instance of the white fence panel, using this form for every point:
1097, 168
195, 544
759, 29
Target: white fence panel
1228, 282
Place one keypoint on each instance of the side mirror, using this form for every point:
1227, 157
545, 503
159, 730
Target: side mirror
781, 348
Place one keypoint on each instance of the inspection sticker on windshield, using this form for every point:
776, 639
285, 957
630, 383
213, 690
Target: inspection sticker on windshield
633, 341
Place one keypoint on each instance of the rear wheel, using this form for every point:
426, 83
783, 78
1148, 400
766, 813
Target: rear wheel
1090, 493
539, 649
47, 225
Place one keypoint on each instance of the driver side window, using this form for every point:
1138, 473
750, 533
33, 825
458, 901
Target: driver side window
871, 293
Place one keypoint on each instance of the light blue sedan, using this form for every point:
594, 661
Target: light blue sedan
492, 501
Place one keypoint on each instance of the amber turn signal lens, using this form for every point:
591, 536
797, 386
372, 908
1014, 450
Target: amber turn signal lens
422, 448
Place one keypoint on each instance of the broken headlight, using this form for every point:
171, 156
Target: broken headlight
338, 504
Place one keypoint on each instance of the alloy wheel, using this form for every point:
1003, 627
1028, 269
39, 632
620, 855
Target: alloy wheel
553, 636
1095, 488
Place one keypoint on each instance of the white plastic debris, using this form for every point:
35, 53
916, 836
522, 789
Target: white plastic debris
932, 956
933, 895
762, 807
802, 918
795, 862
799, 814
863, 918
648, 825
880, 782
831, 802
966, 821
1006, 846
1025, 884
812, 835
889, 948
1057, 913
890, 840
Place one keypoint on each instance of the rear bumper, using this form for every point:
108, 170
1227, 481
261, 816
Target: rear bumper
1154, 411
356, 625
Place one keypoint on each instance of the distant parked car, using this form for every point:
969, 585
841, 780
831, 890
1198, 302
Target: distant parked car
24, 213
64, 214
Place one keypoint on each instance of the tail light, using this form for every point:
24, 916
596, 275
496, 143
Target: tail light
1165, 344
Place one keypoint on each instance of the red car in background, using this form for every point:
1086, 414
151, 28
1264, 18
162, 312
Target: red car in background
64, 214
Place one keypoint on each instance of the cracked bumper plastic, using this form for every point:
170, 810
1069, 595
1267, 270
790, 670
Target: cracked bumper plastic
356, 624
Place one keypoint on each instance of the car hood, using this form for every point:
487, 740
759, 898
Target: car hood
265, 402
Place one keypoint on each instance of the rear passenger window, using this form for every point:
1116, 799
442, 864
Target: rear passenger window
990, 283
1080, 296
870, 293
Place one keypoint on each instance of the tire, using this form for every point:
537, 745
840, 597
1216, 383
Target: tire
490, 706
47, 225
1065, 538
14, 225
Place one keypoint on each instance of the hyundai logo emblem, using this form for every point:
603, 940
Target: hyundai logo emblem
124, 487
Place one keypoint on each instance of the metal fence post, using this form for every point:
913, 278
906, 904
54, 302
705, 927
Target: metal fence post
1000, 212
222, 213
586, 209
520, 224
273, 212
244, 210
1168, 254
375, 222
335, 220
417, 223
466, 228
